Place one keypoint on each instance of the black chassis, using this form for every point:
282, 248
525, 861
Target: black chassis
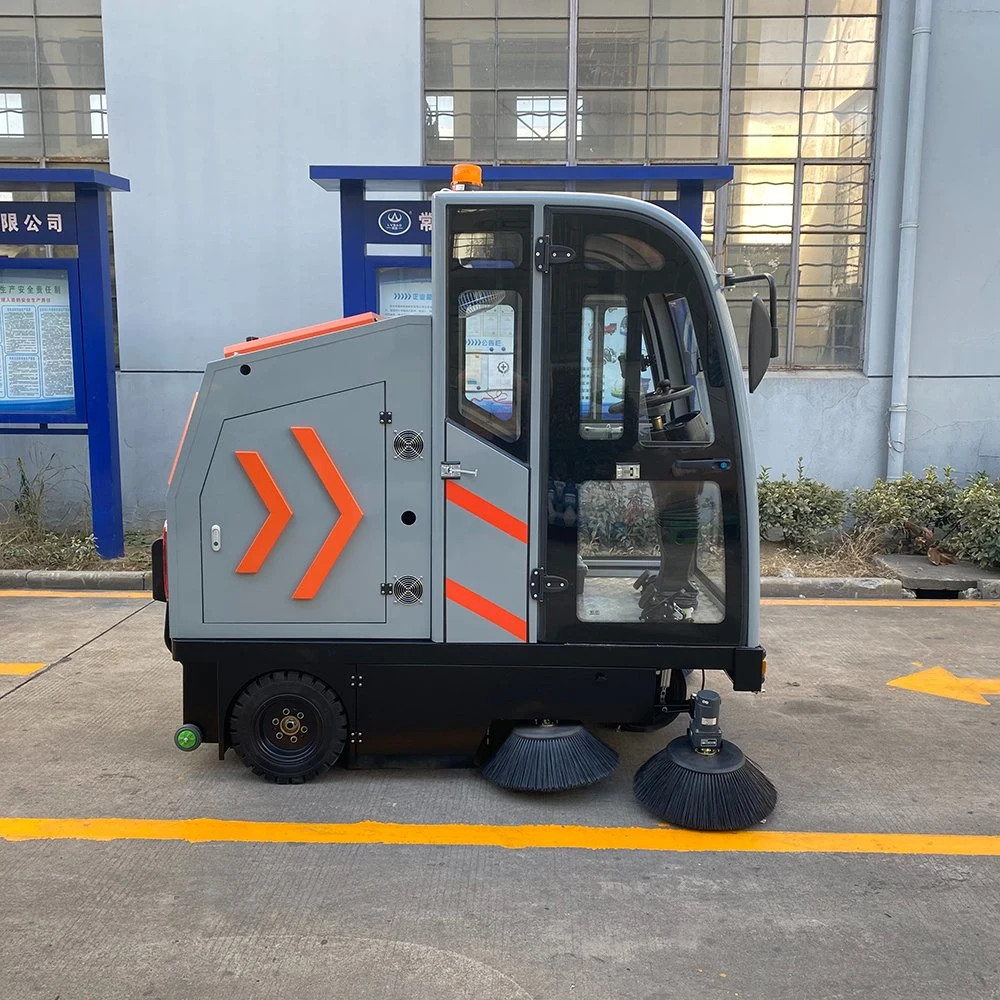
413, 702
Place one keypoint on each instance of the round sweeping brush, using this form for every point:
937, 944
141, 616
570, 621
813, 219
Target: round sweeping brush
702, 782
550, 758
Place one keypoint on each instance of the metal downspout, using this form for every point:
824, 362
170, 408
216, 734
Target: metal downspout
920, 54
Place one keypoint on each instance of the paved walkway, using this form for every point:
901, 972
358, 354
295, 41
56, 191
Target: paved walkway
876, 876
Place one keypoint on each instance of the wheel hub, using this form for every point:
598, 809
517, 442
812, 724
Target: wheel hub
287, 726
291, 724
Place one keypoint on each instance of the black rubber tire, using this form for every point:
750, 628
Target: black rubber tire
248, 729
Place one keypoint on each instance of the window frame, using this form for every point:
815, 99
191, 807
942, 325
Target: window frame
517, 280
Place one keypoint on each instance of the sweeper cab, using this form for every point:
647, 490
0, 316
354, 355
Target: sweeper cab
472, 538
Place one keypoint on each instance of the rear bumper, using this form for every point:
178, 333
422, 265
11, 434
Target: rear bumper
159, 576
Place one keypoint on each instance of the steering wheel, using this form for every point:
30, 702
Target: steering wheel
659, 400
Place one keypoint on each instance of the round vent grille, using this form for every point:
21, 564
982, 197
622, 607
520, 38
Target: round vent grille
408, 590
408, 445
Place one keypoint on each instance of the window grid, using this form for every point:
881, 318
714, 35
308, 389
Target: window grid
53, 107
99, 116
755, 83
11, 115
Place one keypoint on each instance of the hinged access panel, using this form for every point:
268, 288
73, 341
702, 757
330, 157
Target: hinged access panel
293, 520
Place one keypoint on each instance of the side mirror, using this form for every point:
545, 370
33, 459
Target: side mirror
760, 342
763, 325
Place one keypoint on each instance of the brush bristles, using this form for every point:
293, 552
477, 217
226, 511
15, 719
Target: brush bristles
569, 760
696, 800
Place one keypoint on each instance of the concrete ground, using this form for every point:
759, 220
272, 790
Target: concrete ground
90, 736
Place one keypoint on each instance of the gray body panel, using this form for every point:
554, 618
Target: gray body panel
480, 557
319, 382
333, 382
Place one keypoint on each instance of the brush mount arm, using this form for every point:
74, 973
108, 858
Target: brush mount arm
704, 732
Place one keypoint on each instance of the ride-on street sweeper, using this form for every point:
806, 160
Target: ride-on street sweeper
464, 539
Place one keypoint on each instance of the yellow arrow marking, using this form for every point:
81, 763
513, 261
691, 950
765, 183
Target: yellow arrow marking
19, 669
944, 684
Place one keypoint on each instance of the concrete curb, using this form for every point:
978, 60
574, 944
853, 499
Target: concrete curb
61, 579
832, 586
770, 586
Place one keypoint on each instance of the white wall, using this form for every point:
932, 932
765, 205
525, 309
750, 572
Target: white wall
956, 315
217, 111
830, 420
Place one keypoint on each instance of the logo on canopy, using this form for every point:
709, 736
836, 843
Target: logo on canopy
394, 221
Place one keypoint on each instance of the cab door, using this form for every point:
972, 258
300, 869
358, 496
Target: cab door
486, 477
642, 466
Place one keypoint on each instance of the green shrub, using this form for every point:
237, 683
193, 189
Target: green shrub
803, 509
913, 513
977, 517
617, 518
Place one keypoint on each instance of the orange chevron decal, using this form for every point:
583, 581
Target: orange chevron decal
346, 523
493, 613
278, 511
486, 511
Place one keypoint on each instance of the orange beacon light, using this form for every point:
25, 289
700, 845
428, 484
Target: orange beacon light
466, 177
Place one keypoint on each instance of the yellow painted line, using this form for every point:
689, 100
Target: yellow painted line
623, 838
19, 669
864, 602
105, 594
845, 602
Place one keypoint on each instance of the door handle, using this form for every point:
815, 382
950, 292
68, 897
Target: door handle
454, 470
687, 467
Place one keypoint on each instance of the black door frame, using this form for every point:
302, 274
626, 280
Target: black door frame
565, 287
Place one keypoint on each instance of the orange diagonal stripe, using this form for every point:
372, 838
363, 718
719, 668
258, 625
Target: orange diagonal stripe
486, 511
278, 511
478, 605
345, 525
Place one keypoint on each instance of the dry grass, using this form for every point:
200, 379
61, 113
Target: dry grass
851, 555
26, 546
29, 541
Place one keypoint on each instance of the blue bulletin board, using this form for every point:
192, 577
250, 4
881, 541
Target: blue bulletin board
380, 270
41, 342
57, 359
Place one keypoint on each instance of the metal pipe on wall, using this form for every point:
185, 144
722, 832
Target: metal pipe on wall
909, 217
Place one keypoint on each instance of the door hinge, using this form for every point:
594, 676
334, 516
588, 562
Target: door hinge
540, 584
385, 417
385, 589
548, 253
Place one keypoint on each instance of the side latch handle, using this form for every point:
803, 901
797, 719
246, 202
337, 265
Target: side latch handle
454, 470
